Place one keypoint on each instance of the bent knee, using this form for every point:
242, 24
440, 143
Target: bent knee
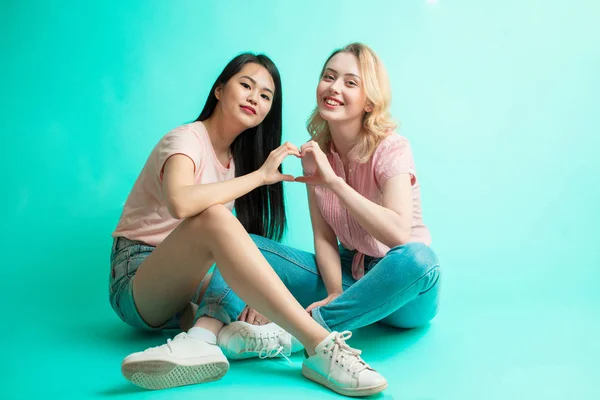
216, 211
414, 256
214, 217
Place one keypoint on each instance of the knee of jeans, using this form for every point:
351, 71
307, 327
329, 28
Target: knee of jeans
414, 258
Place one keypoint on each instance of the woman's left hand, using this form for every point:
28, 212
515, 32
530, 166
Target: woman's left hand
253, 317
324, 174
323, 302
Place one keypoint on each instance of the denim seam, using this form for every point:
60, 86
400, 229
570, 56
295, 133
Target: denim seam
128, 260
214, 311
436, 266
124, 280
293, 261
434, 283
219, 299
316, 314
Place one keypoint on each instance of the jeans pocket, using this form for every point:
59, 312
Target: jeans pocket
137, 254
118, 268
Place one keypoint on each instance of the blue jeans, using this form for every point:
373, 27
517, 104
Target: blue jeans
400, 289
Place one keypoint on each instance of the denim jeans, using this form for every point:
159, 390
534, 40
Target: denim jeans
400, 289
125, 259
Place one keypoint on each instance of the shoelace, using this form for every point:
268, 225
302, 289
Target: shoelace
344, 355
266, 346
182, 335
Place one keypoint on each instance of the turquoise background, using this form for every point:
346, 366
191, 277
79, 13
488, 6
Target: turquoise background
500, 100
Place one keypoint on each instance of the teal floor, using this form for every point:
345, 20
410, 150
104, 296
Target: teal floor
68, 343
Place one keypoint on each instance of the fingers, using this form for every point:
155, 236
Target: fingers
251, 316
279, 159
276, 157
279, 154
288, 149
243, 315
308, 150
309, 180
260, 319
313, 305
309, 147
278, 177
292, 148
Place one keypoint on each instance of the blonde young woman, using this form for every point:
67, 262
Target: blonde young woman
364, 193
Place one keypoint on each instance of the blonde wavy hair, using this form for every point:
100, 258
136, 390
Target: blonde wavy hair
376, 124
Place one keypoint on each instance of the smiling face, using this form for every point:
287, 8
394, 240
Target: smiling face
247, 97
340, 94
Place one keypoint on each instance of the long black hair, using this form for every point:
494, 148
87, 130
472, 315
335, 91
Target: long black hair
261, 211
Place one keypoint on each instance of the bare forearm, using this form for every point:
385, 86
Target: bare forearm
383, 224
326, 248
328, 260
191, 200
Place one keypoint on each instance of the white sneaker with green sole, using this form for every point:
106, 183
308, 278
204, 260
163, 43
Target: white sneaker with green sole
185, 360
340, 368
240, 340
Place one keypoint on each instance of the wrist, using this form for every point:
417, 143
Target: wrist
336, 183
258, 178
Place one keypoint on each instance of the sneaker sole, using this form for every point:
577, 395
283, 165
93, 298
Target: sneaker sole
246, 356
358, 392
238, 356
158, 374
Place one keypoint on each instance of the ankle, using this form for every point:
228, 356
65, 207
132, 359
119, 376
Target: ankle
315, 341
311, 347
203, 334
209, 323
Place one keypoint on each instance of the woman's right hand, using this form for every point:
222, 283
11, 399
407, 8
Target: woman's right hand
324, 174
269, 170
253, 317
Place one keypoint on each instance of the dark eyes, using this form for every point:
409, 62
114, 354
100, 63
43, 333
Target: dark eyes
248, 87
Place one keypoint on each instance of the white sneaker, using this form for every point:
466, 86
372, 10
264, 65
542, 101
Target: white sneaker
339, 367
182, 361
240, 340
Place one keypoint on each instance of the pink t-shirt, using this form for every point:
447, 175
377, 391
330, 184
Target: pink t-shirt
392, 157
145, 215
